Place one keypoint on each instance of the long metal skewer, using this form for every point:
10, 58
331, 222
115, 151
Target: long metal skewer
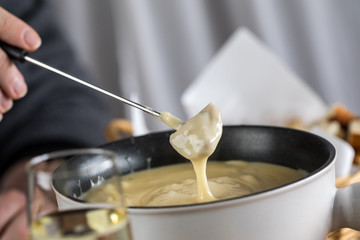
124, 100
22, 56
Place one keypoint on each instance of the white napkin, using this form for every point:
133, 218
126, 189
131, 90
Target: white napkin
250, 85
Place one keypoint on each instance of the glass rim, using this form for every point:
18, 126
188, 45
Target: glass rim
66, 153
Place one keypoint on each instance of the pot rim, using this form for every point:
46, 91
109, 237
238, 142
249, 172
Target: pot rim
326, 167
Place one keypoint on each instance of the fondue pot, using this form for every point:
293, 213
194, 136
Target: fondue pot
308, 208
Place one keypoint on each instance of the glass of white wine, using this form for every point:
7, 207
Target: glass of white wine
55, 216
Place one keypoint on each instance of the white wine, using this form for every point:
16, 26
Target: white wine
82, 224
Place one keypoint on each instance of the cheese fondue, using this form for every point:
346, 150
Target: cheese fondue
177, 184
171, 120
196, 140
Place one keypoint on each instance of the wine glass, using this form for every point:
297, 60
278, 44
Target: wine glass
59, 206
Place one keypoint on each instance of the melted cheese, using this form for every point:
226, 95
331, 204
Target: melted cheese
196, 140
177, 184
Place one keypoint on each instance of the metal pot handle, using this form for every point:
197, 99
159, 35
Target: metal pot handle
117, 129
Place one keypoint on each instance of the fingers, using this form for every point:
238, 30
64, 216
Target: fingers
5, 103
16, 32
13, 218
18, 228
12, 82
11, 203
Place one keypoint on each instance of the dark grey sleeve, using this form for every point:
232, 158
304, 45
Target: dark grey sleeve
56, 113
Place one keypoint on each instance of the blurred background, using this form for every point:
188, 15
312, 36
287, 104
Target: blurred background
150, 51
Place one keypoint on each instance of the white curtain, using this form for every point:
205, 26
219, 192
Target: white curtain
162, 45
89, 26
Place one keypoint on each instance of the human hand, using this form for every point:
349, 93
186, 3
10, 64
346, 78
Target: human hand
17, 33
13, 218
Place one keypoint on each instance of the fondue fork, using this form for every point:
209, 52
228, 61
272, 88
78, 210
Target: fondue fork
23, 56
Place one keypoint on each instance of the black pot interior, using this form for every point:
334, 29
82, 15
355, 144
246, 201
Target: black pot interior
287, 147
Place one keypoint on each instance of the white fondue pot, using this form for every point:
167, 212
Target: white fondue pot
306, 209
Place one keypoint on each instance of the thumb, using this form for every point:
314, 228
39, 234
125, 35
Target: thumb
16, 32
